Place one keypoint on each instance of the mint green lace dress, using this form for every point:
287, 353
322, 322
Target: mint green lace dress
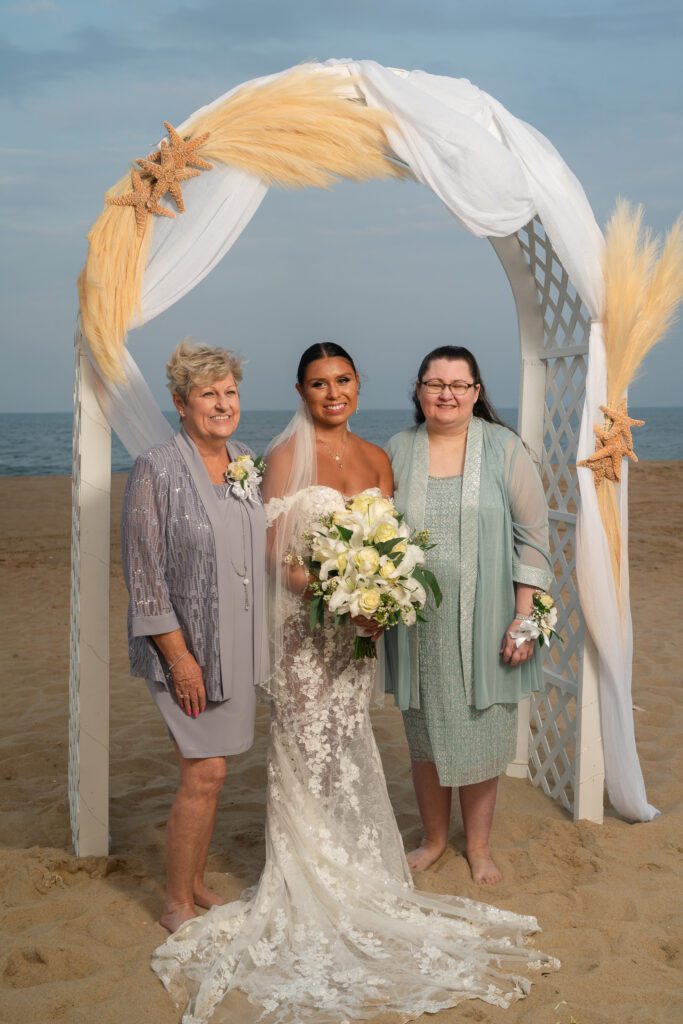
465, 744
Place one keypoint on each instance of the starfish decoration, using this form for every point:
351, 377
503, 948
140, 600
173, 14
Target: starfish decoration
167, 176
184, 150
142, 201
612, 444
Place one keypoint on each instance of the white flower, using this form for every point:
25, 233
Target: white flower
366, 560
386, 530
368, 601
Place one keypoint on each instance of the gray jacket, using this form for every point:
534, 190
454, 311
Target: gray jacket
183, 545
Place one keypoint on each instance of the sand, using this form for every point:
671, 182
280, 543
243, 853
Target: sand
77, 935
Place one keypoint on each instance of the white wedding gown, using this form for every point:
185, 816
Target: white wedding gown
334, 930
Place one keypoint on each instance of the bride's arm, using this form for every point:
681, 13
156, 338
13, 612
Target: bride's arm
278, 470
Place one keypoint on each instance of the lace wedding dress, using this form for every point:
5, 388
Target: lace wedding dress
334, 930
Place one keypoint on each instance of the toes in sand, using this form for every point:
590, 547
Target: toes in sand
425, 855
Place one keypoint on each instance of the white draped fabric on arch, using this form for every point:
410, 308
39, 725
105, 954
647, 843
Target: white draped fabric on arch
496, 174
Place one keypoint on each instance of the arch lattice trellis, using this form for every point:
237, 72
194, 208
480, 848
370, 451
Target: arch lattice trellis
561, 727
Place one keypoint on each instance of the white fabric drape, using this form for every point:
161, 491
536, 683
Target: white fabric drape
494, 173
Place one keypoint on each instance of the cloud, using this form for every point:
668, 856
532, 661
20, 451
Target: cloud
32, 7
267, 22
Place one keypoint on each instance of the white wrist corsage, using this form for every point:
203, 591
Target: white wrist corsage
244, 476
539, 625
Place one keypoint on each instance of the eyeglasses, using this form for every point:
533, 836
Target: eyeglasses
457, 387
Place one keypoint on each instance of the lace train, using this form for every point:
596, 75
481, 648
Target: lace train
334, 930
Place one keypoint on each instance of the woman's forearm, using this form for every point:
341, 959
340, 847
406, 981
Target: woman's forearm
172, 645
524, 595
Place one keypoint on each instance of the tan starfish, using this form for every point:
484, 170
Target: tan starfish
621, 424
141, 200
167, 176
184, 150
612, 444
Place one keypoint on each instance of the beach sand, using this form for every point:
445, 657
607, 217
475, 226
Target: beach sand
76, 935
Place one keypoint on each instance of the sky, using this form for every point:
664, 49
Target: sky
382, 268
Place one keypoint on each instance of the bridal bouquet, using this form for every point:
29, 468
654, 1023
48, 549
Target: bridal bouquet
366, 561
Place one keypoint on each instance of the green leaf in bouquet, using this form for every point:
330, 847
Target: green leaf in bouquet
385, 547
430, 580
344, 532
315, 612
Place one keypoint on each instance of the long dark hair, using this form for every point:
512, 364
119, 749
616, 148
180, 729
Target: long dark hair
482, 407
322, 350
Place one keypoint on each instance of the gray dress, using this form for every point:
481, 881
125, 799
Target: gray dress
188, 548
225, 727
465, 744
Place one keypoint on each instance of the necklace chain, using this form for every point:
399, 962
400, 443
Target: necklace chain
337, 456
243, 573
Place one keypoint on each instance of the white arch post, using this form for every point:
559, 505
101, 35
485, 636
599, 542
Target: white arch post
89, 646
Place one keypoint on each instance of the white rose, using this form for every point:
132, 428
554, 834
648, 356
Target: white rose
366, 561
238, 472
385, 531
379, 508
361, 503
368, 602
387, 569
546, 601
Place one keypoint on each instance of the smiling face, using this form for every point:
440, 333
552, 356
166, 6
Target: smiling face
444, 410
330, 390
212, 411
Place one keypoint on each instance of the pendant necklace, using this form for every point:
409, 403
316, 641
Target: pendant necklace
337, 456
243, 572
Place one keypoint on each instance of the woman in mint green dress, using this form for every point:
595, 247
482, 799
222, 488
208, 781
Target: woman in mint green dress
468, 479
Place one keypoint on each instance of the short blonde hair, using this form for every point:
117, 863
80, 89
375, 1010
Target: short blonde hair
191, 366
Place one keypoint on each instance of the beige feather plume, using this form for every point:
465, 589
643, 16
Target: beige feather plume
295, 131
643, 289
298, 131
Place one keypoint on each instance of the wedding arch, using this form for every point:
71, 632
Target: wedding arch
503, 181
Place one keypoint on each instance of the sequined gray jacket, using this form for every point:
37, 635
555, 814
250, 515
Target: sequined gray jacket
182, 545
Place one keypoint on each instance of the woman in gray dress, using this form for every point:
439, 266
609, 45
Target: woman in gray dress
193, 534
464, 476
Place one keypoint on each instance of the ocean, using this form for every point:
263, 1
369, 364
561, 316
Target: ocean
39, 444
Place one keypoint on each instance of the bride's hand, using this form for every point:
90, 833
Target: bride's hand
371, 628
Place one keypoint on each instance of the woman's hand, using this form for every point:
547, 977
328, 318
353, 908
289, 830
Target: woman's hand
510, 653
369, 626
188, 684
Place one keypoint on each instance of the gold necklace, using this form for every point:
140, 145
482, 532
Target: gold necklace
337, 456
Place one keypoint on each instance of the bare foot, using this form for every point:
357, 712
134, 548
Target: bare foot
207, 898
173, 919
484, 869
426, 854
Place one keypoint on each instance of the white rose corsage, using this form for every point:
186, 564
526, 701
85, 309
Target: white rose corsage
244, 476
540, 625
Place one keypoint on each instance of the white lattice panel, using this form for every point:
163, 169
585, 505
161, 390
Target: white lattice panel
556, 715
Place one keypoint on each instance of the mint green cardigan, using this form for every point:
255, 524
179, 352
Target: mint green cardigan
503, 529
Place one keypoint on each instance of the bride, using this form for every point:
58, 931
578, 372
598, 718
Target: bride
334, 930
